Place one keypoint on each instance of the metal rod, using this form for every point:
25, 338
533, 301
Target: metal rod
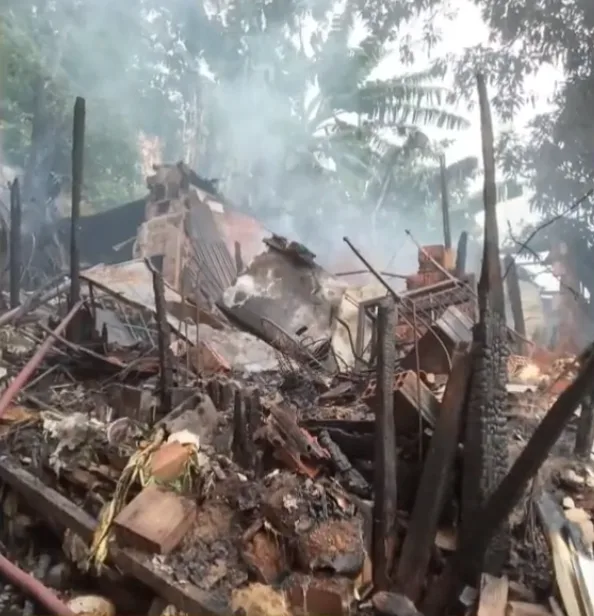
23, 376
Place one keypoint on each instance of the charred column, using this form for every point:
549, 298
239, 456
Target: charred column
445, 204
163, 333
461, 254
384, 508
15, 244
515, 297
78, 145
485, 449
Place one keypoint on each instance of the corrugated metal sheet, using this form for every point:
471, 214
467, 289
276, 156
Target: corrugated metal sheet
213, 261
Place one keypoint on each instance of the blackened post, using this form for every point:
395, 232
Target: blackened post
166, 369
445, 204
240, 430
15, 244
78, 146
584, 438
515, 297
238, 258
384, 507
461, 254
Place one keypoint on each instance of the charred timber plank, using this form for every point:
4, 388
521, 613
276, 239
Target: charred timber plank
431, 494
384, 508
15, 244
485, 449
52, 505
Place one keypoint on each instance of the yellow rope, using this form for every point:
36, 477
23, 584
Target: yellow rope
136, 468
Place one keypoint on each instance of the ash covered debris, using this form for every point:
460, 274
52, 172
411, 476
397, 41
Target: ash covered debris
231, 430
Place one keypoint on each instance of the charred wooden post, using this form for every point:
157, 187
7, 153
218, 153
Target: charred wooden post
238, 258
485, 449
461, 254
78, 144
254, 421
15, 244
515, 297
509, 492
163, 341
384, 507
240, 430
445, 204
432, 490
584, 438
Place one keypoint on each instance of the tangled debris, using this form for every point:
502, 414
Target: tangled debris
269, 444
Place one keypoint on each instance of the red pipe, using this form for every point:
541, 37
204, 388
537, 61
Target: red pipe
25, 374
34, 588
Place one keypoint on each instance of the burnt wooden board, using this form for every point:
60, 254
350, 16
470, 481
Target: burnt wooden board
155, 520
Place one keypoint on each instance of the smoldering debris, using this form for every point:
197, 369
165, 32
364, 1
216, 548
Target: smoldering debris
274, 440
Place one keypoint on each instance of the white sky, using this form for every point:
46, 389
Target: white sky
465, 30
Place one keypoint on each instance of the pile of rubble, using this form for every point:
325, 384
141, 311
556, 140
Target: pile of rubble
263, 439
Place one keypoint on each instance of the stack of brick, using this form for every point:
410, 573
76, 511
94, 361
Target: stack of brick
428, 273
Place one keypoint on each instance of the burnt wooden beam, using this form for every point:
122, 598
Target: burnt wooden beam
584, 437
163, 341
384, 506
508, 493
515, 297
485, 443
461, 254
78, 146
15, 244
433, 487
445, 203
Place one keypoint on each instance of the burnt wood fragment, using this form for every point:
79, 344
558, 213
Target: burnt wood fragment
349, 476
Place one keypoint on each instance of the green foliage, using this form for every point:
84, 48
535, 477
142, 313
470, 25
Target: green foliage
140, 66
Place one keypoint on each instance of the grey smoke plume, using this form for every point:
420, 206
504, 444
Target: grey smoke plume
252, 127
